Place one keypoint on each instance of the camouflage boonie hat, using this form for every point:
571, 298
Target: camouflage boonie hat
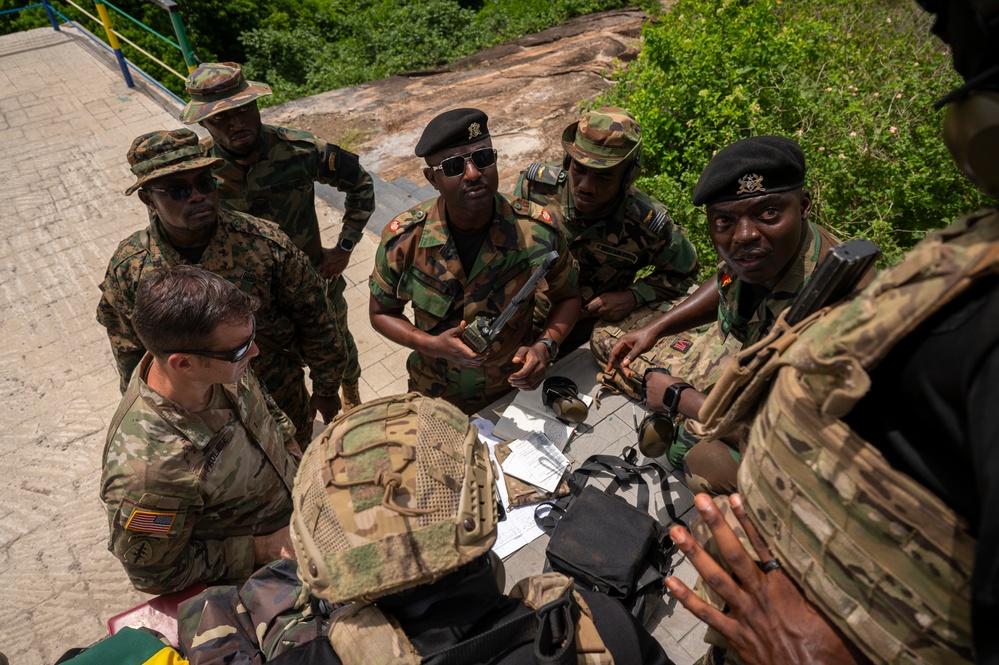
162, 153
219, 86
603, 138
396, 493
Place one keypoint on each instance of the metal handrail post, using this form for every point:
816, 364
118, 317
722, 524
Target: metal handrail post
102, 11
51, 15
178, 28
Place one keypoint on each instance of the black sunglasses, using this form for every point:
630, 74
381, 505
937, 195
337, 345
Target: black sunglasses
483, 158
205, 185
233, 356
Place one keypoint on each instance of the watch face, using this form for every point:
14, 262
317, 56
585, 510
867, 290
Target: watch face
346, 245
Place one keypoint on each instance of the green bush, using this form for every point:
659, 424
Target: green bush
853, 82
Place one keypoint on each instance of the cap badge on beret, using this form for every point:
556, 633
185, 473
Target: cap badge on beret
474, 130
750, 183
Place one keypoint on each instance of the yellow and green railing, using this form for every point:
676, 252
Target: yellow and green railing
114, 38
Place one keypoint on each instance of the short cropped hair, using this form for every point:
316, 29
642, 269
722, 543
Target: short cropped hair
180, 308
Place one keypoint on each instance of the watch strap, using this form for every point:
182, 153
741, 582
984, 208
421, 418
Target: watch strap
671, 396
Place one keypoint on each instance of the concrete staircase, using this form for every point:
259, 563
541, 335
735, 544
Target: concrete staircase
391, 198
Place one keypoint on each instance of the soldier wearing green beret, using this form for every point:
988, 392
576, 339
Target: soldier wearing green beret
295, 323
199, 461
463, 255
757, 213
614, 229
270, 172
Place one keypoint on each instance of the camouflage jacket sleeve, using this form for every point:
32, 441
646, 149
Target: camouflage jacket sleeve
674, 269
563, 278
342, 169
163, 564
395, 255
114, 312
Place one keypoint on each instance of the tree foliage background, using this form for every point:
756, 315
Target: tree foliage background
852, 81
303, 47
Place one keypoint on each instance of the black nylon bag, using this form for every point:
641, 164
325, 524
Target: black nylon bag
602, 542
596, 558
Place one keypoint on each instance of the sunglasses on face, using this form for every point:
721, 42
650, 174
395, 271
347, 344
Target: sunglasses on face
233, 356
483, 158
205, 185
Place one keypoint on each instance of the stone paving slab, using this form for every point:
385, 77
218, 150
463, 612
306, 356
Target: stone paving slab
66, 121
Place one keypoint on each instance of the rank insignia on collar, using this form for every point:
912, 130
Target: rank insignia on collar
725, 280
474, 130
750, 184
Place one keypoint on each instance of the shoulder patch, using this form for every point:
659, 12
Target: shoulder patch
409, 219
645, 213
292, 134
538, 212
545, 173
150, 521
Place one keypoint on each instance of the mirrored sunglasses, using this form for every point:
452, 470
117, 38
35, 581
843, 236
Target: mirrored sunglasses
483, 158
205, 185
233, 356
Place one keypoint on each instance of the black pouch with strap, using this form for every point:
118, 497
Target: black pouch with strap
607, 544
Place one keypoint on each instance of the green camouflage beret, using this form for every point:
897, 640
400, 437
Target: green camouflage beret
218, 86
452, 129
751, 167
163, 153
603, 138
396, 493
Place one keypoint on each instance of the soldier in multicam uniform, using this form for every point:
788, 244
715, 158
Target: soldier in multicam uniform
466, 254
199, 461
270, 172
758, 220
614, 229
295, 323
870, 480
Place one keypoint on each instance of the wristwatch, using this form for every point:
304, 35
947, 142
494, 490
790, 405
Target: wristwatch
346, 244
552, 347
671, 397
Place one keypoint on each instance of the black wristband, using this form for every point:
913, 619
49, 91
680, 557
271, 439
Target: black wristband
671, 397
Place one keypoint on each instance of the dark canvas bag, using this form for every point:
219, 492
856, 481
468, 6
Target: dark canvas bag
607, 543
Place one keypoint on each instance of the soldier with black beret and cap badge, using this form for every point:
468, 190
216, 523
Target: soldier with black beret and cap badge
757, 213
465, 254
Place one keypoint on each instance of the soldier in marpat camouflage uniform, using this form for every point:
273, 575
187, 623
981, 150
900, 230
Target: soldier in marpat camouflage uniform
270, 172
295, 322
199, 461
463, 255
757, 216
396, 512
869, 487
614, 229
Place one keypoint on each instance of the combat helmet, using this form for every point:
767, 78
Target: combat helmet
396, 493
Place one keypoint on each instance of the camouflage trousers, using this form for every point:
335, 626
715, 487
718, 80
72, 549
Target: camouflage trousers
698, 356
334, 293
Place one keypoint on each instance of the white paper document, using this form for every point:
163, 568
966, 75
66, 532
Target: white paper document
519, 527
527, 413
535, 460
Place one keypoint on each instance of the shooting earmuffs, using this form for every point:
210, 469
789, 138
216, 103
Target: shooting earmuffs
561, 396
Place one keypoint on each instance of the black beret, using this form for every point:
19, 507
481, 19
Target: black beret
751, 167
451, 129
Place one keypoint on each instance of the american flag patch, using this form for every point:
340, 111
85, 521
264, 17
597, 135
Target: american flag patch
148, 521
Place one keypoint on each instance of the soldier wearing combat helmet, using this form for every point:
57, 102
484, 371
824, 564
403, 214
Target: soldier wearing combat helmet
465, 255
614, 229
270, 172
395, 509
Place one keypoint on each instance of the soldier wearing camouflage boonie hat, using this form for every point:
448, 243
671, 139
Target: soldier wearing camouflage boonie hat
163, 153
392, 478
219, 86
603, 138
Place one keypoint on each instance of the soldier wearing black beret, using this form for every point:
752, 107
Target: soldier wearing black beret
757, 215
465, 254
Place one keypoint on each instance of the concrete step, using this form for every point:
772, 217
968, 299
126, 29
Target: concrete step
391, 198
